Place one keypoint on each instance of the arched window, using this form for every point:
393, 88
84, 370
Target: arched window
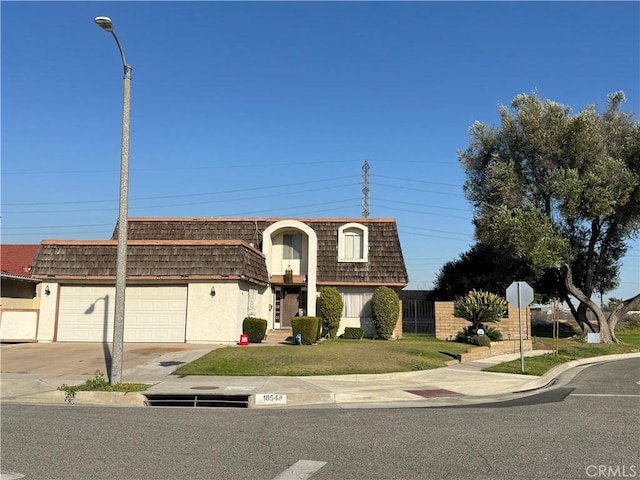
353, 243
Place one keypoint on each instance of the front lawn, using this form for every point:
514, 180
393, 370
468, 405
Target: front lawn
330, 357
570, 349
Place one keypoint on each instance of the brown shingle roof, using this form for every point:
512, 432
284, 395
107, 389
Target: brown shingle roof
385, 266
210, 259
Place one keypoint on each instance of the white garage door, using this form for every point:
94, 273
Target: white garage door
152, 314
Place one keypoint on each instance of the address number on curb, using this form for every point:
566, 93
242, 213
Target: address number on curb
271, 399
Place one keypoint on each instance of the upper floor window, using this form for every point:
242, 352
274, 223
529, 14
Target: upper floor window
292, 246
353, 243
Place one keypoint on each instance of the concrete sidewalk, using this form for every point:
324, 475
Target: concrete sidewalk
454, 385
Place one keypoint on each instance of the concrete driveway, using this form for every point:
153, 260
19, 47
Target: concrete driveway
57, 359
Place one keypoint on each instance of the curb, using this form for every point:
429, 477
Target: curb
551, 377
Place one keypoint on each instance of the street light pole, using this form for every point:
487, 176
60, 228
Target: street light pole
121, 260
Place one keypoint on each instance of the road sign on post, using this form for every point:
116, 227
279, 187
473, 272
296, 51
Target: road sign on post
520, 295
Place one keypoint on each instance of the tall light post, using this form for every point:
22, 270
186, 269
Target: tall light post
121, 261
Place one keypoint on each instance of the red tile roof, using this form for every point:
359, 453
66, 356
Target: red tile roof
16, 260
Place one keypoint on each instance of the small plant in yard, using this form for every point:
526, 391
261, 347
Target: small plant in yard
330, 307
98, 384
480, 308
307, 327
255, 328
385, 308
353, 333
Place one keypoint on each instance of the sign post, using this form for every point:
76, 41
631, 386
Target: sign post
520, 295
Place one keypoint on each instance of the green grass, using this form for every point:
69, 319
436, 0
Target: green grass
569, 349
330, 357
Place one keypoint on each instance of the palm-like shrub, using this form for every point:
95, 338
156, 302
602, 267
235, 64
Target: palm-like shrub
330, 307
385, 308
480, 308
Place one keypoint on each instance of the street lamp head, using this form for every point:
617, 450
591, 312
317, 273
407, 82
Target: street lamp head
104, 23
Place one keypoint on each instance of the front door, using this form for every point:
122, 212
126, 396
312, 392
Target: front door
290, 306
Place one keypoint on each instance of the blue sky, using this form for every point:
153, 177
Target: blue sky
270, 108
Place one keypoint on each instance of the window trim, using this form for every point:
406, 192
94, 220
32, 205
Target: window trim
342, 234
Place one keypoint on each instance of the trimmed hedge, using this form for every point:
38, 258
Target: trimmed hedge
256, 328
308, 327
330, 307
353, 333
385, 308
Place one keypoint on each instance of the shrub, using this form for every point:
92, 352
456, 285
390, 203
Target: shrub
470, 335
480, 307
493, 333
255, 328
385, 308
330, 307
353, 333
481, 340
307, 327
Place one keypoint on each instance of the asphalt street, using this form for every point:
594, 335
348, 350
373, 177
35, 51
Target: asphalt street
591, 430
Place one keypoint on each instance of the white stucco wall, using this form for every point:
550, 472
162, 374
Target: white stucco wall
48, 305
219, 319
311, 252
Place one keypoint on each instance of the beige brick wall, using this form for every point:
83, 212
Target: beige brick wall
497, 348
448, 325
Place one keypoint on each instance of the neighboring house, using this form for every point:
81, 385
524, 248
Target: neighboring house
196, 279
18, 302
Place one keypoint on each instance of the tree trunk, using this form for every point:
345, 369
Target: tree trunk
620, 311
606, 332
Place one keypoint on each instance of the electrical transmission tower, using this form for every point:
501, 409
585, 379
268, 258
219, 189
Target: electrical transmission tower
365, 190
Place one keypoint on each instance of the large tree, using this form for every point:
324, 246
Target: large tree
559, 190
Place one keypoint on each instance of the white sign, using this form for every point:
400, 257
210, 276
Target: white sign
271, 399
520, 294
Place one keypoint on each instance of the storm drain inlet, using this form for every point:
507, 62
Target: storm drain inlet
198, 400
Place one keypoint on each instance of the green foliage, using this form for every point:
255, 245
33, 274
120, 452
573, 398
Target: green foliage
492, 333
255, 328
483, 267
551, 187
330, 307
523, 234
307, 327
385, 308
98, 384
480, 307
470, 335
353, 333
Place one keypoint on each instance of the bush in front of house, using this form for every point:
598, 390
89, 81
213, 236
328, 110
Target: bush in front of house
470, 335
353, 333
255, 328
330, 307
307, 327
480, 308
385, 308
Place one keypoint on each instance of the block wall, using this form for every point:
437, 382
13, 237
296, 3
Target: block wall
448, 325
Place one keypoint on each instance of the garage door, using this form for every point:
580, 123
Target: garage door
152, 314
